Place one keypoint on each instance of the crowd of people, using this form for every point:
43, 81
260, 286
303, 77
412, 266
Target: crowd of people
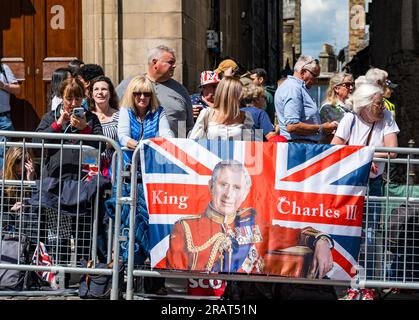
227, 106
354, 113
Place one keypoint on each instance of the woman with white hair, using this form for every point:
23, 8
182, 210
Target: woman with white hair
360, 81
380, 78
377, 76
371, 125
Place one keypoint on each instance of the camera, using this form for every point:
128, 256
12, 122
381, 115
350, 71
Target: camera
78, 112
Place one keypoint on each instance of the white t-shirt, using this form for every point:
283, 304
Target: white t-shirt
55, 102
355, 131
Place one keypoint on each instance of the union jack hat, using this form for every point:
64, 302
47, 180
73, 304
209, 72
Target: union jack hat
209, 77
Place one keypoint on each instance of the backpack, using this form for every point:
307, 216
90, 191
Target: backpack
14, 251
99, 286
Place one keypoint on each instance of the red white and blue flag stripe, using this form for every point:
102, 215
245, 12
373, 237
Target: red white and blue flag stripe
293, 185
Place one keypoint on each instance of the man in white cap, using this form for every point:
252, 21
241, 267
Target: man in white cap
205, 98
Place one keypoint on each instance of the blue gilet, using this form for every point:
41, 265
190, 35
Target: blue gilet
145, 130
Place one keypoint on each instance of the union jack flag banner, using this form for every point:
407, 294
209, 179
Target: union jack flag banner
299, 194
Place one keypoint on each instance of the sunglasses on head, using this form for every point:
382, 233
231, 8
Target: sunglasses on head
145, 94
311, 61
307, 63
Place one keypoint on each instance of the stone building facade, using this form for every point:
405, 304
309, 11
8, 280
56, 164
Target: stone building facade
357, 25
291, 32
39, 36
327, 59
118, 34
394, 46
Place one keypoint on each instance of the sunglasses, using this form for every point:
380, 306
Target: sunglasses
312, 73
347, 84
379, 103
145, 94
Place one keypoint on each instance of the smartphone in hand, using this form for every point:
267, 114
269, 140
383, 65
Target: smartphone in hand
78, 112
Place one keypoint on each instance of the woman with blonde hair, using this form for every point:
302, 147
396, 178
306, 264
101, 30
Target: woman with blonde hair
19, 167
254, 95
341, 85
141, 116
253, 102
14, 168
225, 120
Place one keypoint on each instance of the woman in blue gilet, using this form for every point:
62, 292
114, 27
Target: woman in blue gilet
141, 116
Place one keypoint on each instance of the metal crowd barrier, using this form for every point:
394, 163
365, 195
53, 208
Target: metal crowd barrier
67, 235
391, 261
389, 256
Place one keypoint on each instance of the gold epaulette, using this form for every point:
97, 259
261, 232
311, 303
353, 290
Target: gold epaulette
215, 241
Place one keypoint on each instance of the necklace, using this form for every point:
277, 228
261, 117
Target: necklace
104, 114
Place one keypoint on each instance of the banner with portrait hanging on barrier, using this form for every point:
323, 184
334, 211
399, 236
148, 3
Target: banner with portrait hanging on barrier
286, 209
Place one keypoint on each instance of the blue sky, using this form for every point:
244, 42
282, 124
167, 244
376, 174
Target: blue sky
324, 21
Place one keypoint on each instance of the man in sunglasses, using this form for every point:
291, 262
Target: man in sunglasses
298, 114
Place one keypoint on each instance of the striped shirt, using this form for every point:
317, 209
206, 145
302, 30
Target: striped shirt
110, 130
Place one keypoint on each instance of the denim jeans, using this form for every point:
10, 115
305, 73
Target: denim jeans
5, 124
370, 224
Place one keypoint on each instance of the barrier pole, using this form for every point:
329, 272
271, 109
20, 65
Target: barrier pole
133, 212
115, 274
